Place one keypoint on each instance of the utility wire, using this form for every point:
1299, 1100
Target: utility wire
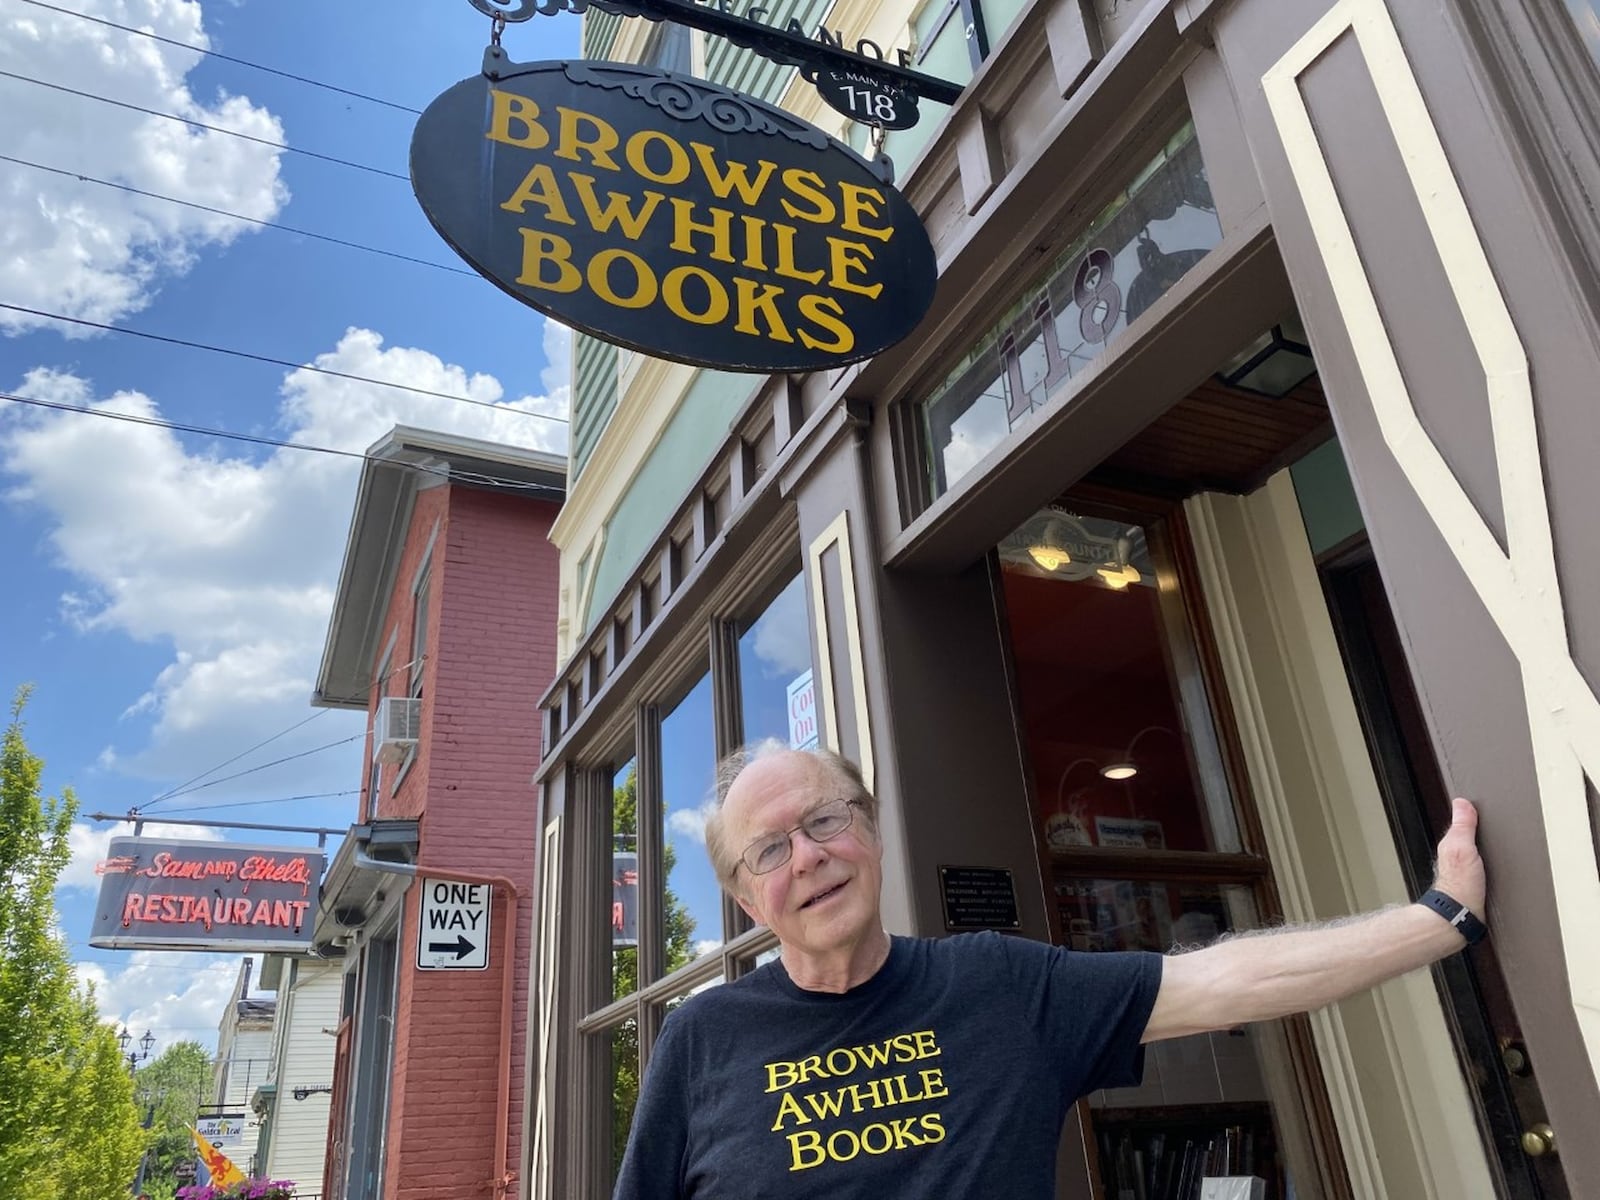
277, 362
145, 33
229, 762
249, 137
173, 812
200, 787
222, 212
178, 427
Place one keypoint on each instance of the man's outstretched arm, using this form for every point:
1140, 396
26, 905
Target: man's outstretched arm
1278, 972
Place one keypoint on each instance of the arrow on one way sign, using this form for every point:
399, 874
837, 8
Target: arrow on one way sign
461, 946
455, 926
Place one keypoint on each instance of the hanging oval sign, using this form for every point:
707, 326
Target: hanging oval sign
672, 216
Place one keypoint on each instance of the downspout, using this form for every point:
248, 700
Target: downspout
503, 1176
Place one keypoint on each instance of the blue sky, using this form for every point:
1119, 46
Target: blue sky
167, 594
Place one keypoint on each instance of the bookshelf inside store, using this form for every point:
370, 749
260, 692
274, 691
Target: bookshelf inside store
1202, 1109
1166, 1153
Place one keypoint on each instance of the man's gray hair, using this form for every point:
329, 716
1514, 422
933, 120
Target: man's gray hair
844, 773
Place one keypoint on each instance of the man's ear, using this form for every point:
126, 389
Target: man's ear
749, 910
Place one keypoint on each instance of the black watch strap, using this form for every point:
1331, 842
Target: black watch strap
1457, 913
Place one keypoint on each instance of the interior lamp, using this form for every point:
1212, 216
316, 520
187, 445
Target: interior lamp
1119, 577
1120, 571
1048, 552
1125, 768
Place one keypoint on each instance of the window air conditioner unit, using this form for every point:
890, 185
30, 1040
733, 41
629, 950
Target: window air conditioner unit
399, 723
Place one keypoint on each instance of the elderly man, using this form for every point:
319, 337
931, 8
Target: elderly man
864, 1065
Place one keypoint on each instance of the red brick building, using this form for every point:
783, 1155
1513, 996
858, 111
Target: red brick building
443, 631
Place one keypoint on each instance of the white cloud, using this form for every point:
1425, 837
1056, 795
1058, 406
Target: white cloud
232, 560
691, 822
176, 995
89, 845
782, 639
95, 252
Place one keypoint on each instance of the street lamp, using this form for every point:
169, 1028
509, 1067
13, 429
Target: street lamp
145, 1042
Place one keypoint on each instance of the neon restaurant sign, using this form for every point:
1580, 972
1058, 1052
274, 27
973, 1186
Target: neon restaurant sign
674, 216
163, 894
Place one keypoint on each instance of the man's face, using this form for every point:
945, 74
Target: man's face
825, 898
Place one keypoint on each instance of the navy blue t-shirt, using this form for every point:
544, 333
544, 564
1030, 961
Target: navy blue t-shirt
948, 1073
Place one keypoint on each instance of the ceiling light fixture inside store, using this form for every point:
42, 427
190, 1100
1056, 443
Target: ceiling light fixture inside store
1048, 551
1274, 364
1119, 577
1119, 770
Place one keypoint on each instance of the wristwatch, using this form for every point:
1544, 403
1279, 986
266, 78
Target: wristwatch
1457, 913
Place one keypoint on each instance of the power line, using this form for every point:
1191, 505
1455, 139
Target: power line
249, 137
173, 812
222, 212
145, 33
229, 762
277, 762
444, 473
277, 362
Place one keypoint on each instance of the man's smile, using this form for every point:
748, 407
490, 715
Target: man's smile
825, 894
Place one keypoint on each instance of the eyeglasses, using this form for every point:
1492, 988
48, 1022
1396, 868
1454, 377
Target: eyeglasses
822, 824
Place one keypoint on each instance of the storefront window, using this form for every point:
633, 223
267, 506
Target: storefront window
669, 785
624, 1086
1203, 1107
1136, 813
776, 693
1147, 238
688, 762
1113, 763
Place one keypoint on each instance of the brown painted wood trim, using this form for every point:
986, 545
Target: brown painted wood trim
1180, 866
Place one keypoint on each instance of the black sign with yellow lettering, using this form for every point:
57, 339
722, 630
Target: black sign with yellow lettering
672, 216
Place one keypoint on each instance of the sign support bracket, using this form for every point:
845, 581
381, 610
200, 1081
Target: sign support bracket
139, 819
781, 45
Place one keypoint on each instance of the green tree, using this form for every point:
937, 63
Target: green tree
102, 1139
68, 1124
625, 966
171, 1089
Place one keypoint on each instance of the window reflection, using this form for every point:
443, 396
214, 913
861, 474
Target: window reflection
1586, 16
776, 689
688, 763
624, 1041
625, 880
1098, 691
1131, 254
1203, 1106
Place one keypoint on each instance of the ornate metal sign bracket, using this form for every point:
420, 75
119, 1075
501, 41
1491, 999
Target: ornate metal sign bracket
787, 45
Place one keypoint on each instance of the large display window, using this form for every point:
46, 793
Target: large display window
669, 931
1146, 846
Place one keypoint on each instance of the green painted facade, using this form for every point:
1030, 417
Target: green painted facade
681, 453
594, 392
594, 396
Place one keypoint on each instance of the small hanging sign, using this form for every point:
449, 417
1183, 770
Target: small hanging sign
671, 215
866, 98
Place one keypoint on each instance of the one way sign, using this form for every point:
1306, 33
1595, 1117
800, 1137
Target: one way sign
455, 926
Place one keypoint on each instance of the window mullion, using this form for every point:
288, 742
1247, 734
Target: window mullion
727, 707
652, 864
